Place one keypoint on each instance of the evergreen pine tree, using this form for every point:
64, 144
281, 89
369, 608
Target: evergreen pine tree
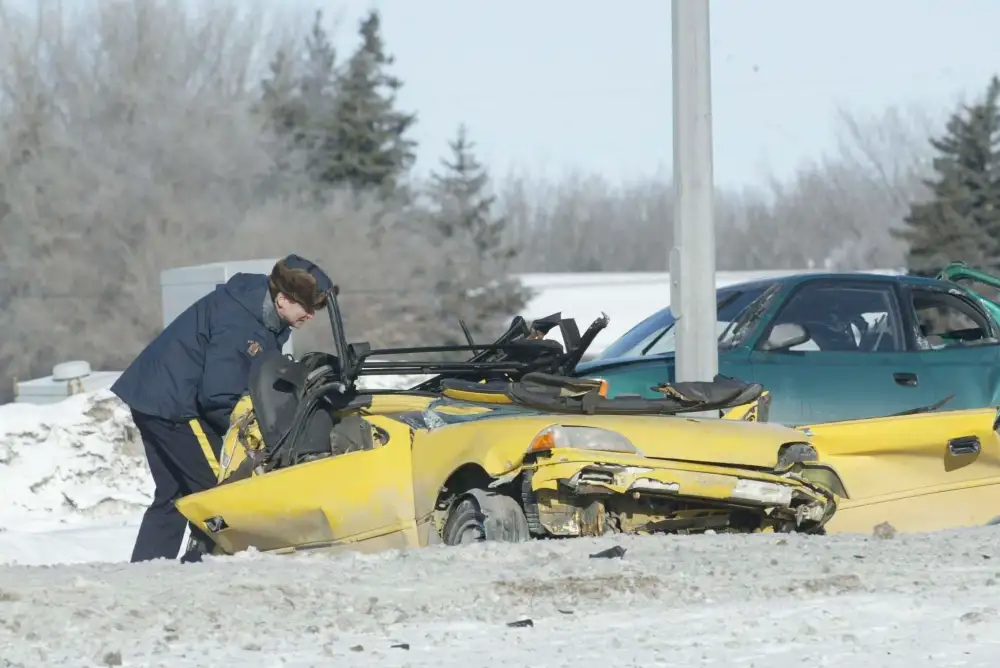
298, 102
372, 150
476, 284
961, 221
464, 203
340, 122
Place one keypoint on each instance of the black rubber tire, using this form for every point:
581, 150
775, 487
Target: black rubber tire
481, 515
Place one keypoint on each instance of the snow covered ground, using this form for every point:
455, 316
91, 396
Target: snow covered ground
678, 601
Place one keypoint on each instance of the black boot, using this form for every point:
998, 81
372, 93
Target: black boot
198, 546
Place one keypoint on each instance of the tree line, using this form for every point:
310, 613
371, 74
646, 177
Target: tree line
138, 136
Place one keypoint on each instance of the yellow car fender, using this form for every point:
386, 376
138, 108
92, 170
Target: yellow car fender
753, 411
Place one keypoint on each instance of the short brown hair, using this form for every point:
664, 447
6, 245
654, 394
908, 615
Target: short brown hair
297, 284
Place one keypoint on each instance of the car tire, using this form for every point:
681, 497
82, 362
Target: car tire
480, 515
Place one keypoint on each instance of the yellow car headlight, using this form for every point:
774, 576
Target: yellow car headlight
581, 438
793, 453
759, 491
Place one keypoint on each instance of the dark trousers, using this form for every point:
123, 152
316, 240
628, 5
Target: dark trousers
183, 459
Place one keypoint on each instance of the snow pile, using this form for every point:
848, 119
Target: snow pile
785, 601
78, 459
42, 544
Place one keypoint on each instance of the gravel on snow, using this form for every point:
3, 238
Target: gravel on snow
724, 600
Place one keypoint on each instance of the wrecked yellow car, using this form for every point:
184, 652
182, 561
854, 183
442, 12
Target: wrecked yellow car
503, 447
923, 471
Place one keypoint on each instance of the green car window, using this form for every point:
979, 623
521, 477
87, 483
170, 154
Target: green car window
656, 334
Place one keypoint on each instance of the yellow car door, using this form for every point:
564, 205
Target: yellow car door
920, 472
363, 496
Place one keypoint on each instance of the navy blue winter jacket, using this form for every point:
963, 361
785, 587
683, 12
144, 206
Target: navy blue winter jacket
199, 364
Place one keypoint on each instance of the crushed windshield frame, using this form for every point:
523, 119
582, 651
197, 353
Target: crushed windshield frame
727, 296
746, 322
719, 305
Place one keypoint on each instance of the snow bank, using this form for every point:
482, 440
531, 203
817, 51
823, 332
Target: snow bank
721, 600
78, 459
86, 541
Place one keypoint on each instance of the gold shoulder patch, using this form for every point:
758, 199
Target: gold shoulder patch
252, 347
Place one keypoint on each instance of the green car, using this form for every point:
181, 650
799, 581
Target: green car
836, 346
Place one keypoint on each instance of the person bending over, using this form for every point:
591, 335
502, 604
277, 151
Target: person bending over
183, 386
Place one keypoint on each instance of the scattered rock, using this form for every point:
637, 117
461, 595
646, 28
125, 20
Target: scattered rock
971, 617
977, 616
884, 531
616, 552
112, 659
835, 583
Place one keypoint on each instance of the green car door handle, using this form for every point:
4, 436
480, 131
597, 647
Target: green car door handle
903, 378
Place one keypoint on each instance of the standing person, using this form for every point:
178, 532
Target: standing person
183, 386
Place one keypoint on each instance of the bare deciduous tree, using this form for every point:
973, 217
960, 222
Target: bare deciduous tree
835, 213
128, 145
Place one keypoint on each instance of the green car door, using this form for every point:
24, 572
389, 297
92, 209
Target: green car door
958, 344
837, 350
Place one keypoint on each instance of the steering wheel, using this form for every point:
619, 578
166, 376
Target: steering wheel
871, 340
833, 333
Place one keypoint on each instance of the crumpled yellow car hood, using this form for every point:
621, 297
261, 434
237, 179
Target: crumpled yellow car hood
703, 440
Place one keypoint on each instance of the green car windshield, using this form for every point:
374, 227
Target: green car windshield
656, 335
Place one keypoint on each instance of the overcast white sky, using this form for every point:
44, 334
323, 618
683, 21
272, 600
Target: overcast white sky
553, 85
